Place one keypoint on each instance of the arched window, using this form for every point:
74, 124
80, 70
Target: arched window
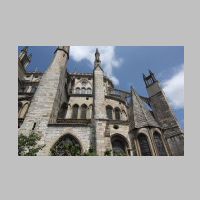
144, 145
119, 146
89, 91
117, 113
19, 108
77, 90
83, 111
67, 145
159, 144
24, 110
75, 111
26, 89
83, 90
33, 89
109, 111
63, 111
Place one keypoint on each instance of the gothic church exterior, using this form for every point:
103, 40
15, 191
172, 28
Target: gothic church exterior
85, 109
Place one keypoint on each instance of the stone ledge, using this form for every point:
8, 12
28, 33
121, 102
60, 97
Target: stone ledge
71, 122
80, 95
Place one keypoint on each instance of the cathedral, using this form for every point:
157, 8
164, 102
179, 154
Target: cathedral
86, 111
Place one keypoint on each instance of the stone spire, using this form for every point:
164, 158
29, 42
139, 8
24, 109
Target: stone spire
97, 56
97, 62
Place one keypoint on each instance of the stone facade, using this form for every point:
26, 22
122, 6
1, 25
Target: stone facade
89, 110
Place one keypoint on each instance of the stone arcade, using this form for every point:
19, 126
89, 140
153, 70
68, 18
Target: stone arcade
86, 109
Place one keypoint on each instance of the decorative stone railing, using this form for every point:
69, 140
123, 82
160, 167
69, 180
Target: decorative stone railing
61, 121
119, 94
74, 93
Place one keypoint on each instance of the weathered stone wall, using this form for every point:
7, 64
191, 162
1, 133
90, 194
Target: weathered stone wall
52, 93
46, 101
176, 145
53, 133
117, 104
88, 101
149, 134
164, 114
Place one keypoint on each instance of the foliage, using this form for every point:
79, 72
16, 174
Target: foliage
107, 152
119, 154
91, 152
64, 149
27, 144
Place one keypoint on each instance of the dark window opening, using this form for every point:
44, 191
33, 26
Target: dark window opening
83, 91
144, 145
83, 111
119, 146
77, 90
33, 89
117, 114
109, 110
159, 144
75, 112
63, 111
66, 146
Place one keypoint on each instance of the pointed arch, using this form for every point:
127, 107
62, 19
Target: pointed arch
89, 91
75, 109
63, 111
109, 112
117, 114
119, 145
24, 110
19, 108
83, 90
67, 145
33, 89
159, 144
144, 145
78, 90
83, 111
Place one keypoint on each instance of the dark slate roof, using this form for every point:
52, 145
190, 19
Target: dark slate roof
141, 116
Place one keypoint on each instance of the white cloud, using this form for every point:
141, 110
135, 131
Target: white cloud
174, 89
107, 54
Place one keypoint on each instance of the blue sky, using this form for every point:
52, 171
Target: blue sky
125, 65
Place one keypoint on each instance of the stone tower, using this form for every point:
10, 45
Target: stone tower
46, 101
164, 115
24, 60
99, 107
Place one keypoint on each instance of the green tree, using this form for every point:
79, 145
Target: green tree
91, 152
27, 144
64, 149
107, 152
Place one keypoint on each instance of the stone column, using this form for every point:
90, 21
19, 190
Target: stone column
99, 107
